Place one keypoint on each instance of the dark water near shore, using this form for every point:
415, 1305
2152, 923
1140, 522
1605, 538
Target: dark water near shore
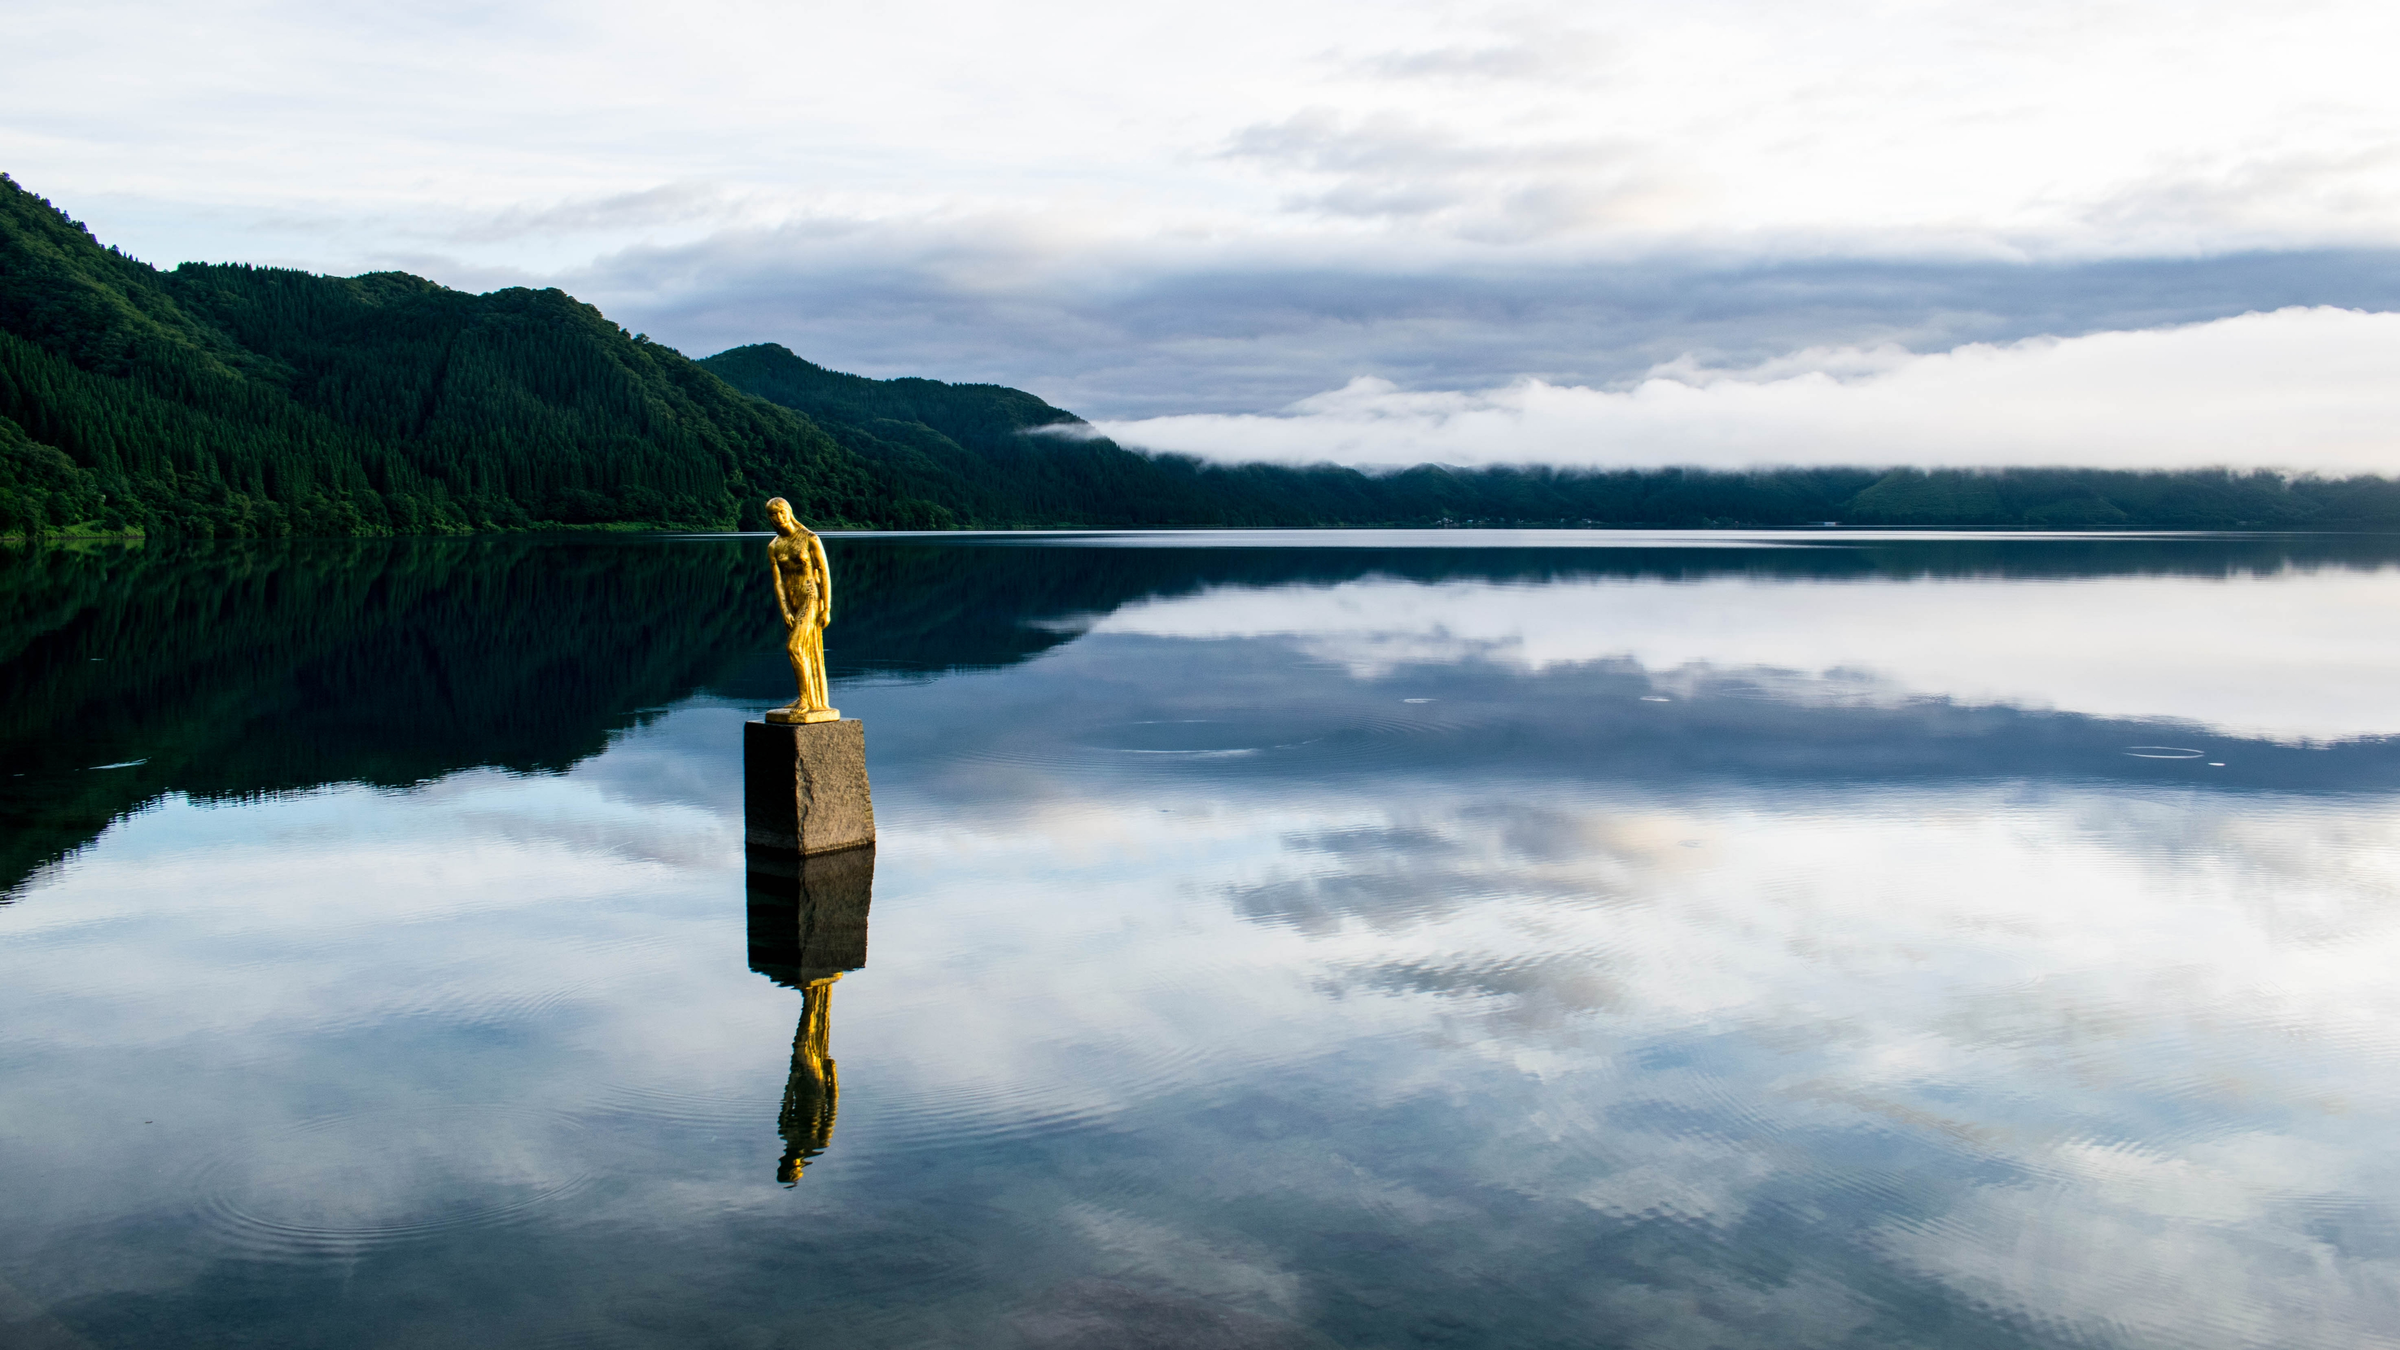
1330, 940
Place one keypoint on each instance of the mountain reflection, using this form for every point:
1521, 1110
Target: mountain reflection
228, 671
808, 927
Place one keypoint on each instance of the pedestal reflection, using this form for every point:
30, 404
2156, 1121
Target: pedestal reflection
808, 928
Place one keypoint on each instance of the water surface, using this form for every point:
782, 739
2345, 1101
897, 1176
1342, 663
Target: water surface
1344, 939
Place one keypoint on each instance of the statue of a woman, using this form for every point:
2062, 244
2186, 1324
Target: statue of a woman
804, 589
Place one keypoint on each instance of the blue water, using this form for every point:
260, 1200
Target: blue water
1572, 939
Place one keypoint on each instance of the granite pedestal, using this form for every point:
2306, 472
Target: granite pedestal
804, 786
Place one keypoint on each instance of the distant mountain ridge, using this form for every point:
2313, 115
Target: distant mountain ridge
236, 400
239, 401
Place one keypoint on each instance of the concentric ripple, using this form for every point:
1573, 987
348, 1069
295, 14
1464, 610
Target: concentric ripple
343, 1186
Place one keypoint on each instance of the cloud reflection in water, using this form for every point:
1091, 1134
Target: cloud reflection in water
1865, 992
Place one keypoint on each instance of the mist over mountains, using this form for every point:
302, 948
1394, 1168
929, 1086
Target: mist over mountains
236, 401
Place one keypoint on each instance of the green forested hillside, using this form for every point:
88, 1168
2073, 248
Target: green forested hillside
234, 400
228, 400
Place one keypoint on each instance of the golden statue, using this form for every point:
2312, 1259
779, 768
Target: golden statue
804, 590
812, 1092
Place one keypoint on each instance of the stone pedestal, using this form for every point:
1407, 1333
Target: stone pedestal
804, 786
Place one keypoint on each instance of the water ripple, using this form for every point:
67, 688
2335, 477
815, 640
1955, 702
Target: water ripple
345, 1185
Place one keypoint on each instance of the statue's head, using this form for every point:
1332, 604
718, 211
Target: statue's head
780, 512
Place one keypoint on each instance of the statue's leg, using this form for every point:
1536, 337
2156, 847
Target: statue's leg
801, 645
816, 666
796, 647
807, 651
810, 699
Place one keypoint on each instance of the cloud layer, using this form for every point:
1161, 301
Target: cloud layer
2305, 389
2138, 128
1126, 332
1225, 208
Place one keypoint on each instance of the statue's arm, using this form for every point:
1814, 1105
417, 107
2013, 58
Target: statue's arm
816, 549
775, 574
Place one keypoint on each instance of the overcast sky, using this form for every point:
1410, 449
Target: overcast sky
1707, 231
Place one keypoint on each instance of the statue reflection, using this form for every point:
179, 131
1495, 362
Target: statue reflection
808, 927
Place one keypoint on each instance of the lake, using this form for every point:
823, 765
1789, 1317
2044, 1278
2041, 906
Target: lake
1336, 939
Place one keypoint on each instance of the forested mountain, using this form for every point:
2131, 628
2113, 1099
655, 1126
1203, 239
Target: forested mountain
235, 400
229, 400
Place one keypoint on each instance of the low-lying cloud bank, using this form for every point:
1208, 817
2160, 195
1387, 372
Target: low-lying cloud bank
2310, 389
1173, 328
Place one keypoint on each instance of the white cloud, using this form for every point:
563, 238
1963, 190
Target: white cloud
1207, 207
2306, 389
2048, 126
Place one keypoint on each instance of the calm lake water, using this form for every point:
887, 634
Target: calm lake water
1457, 939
